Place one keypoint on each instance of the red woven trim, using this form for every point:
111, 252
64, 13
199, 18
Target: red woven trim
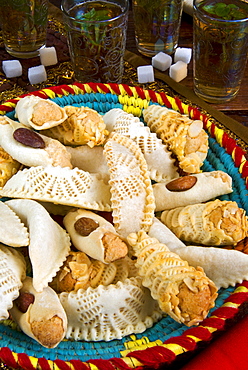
102, 364
238, 298
185, 342
44, 364
120, 364
212, 322
199, 332
165, 100
24, 362
7, 357
79, 365
62, 365
154, 356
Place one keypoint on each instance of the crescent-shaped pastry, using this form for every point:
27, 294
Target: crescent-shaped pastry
8, 166
185, 137
40, 315
225, 267
131, 190
83, 126
160, 164
109, 312
191, 189
89, 159
49, 243
94, 235
54, 153
72, 187
183, 292
13, 272
13, 232
38, 113
213, 223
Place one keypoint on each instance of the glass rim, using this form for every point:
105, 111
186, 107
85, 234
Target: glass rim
123, 12
205, 15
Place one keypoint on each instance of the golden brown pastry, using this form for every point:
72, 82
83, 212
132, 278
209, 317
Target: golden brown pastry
84, 126
213, 223
8, 166
183, 292
185, 137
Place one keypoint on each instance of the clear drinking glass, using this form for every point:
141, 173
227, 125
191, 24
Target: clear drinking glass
219, 48
24, 26
157, 24
97, 38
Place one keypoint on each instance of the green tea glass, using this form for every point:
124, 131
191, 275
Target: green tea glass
157, 25
24, 26
220, 48
97, 38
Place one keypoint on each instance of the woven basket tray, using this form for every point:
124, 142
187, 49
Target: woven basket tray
167, 340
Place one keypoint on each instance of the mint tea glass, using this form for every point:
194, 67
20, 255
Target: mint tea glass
220, 48
96, 33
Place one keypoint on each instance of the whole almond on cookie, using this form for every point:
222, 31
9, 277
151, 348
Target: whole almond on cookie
182, 183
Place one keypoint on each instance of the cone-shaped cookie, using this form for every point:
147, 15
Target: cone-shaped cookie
183, 292
186, 138
83, 126
213, 223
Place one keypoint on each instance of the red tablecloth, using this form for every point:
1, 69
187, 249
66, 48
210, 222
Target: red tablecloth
228, 352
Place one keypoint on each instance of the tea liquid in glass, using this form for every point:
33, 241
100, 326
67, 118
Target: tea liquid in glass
24, 26
220, 48
157, 24
97, 39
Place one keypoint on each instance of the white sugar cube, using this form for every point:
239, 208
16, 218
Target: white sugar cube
145, 74
162, 61
37, 74
178, 71
48, 56
183, 54
12, 68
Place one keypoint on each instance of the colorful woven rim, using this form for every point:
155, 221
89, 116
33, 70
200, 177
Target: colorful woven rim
166, 340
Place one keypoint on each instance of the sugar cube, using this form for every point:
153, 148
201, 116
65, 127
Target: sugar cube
162, 61
183, 54
48, 56
178, 71
12, 68
37, 74
145, 74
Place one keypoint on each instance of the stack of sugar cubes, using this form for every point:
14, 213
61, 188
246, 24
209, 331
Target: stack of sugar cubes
162, 61
37, 74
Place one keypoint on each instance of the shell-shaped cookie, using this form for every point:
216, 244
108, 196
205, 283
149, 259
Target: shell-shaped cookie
94, 235
109, 312
54, 153
212, 223
13, 272
131, 190
33, 111
191, 189
72, 187
83, 126
225, 267
186, 138
12, 231
8, 167
183, 292
49, 243
160, 164
40, 315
